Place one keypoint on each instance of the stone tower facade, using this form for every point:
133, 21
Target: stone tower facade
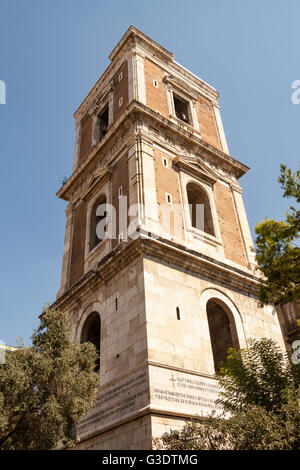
171, 283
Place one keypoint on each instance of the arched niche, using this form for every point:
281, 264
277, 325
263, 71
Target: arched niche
216, 299
91, 333
222, 330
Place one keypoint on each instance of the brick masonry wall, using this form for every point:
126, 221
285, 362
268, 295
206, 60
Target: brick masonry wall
207, 123
156, 97
167, 181
157, 100
85, 137
78, 243
120, 91
231, 237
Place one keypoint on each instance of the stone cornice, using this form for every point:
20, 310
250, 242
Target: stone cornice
197, 81
112, 263
100, 176
87, 167
117, 56
163, 251
157, 52
137, 36
132, 39
199, 264
194, 141
101, 87
195, 167
134, 111
181, 85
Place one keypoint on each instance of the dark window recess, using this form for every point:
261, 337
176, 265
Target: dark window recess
177, 313
103, 122
181, 109
222, 329
91, 333
200, 212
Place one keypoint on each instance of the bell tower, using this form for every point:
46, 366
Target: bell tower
158, 263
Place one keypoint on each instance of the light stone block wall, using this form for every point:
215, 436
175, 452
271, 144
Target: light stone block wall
185, 343
123, 331
153, 363
161, 424
136, 434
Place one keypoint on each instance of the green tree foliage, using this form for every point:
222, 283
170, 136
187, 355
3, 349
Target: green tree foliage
262, 375
46, 388
260, 398
277, 254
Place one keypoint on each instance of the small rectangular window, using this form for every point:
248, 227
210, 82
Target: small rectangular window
181, 109
165, 162
120, 191
168, 198
155, 83
120, 101
120, 76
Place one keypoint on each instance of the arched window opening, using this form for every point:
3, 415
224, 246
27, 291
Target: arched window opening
91, 333
95, 234
200, 212
222, 329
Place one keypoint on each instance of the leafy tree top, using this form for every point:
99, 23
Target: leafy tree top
278, 253
46, 388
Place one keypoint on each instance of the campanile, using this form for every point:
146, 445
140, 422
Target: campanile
158, 264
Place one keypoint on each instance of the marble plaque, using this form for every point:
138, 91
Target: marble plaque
183, 392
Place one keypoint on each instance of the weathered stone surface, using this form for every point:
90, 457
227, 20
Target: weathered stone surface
157, 361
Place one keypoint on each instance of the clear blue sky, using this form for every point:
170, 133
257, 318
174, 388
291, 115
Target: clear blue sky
51, 54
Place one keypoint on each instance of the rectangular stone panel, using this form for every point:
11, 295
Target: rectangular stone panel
183, 393
114, 402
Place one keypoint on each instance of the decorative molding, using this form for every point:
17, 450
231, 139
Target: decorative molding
192, 140
173, 254
100, 176
197, 168
178, 84
135, 115
137, 36
134, 41
113, 143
